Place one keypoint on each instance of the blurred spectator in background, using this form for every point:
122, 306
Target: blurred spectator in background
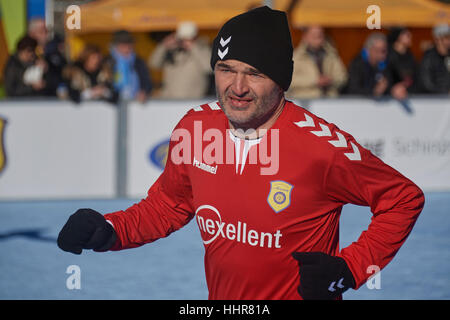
89, 78
318, 69
24, 75
402, 67
38, 31
435, 66
367, 72
184, 59
131, 75
55, 57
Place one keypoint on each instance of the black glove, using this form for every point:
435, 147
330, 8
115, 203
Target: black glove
322, 277
86, 229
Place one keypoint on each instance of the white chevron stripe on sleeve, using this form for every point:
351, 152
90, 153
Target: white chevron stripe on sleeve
340, 142
309, 122
355, 155
325, 132
214, 106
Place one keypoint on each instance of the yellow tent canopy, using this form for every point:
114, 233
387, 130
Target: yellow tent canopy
353, 13
159, 15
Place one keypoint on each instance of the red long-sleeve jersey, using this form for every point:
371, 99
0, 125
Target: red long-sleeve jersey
258, 201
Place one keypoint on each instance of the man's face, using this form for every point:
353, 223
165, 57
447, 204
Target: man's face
443, 44
446, 41
26, 56
315, 37
125, 49
39, 32
378, 51
93, 62
247, 97
405, 38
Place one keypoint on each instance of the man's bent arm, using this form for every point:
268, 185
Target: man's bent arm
167, 208
394, 200
154, 217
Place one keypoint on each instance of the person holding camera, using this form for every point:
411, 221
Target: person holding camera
183, 59
24, 74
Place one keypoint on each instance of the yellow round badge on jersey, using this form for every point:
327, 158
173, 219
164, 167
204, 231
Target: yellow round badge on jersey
279, 197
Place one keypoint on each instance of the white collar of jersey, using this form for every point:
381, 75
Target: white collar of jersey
248, 143
251, 141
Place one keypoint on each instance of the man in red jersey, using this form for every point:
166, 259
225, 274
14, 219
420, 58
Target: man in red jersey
265, 181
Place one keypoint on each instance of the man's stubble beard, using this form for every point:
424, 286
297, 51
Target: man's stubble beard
265, 106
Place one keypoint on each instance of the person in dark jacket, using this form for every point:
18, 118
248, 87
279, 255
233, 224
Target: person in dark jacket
90, 78
435, 65
55, 58
402, 66
131, 75
367, 72
23, 74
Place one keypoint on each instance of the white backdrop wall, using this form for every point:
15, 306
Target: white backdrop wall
58, 150
62, 150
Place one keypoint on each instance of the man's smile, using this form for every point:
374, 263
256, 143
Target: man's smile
237, 102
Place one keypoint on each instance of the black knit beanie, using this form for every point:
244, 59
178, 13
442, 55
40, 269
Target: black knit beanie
260, 38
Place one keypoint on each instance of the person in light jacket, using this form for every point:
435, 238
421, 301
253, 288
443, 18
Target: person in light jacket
184, 61
318, 69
